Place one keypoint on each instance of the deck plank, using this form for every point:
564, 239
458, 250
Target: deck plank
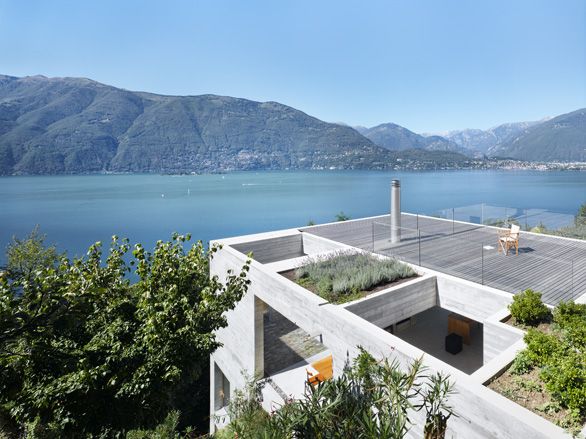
554, 266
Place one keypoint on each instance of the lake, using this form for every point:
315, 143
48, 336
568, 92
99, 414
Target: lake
75, 211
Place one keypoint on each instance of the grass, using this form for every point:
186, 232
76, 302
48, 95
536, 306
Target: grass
350, 275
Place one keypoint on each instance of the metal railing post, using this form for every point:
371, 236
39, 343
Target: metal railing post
452, 220
572, 278
482, 213
419, 245
417, 222
373, 237
482, 264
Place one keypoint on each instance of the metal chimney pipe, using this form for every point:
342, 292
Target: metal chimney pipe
395, 211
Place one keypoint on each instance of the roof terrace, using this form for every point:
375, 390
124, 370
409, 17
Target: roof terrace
552, 265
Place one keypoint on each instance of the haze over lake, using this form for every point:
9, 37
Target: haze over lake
75, 211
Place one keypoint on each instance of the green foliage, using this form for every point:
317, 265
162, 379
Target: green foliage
528, 309
576, 232
345, 275
565, 378
168, 429
372, 399
570, 317
311, 222
561, 357
29, 255
85, 352
342, 216
580, 218
435, 396
522, 363
500, 222
541, 347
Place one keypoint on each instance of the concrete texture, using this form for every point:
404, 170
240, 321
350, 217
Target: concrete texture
428, 331
273, 249
482, 412
397, 303
285, 343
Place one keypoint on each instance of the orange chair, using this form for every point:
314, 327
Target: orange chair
324, 368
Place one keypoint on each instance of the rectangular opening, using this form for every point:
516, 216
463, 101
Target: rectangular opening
221, 388
427, 330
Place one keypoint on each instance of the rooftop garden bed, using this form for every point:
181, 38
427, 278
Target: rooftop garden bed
549, 376
349, 275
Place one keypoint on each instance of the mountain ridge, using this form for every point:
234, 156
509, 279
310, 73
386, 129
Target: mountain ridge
78, 125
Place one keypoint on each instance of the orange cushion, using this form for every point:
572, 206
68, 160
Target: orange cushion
324, 367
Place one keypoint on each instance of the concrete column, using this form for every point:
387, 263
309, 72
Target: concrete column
395, 211
259, 339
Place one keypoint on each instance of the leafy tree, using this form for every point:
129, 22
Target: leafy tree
26, 256
85, 352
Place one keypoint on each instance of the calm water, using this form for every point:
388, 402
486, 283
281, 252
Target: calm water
75, 211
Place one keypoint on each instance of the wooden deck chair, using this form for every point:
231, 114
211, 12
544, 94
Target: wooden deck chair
509, 238
324, 368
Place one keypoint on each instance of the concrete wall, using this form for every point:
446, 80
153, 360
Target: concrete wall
273, 249
397, 303
482, 412
480, 303
470, 299
313, 244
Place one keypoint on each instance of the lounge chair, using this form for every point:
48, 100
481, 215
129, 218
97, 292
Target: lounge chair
322, 370
509, 238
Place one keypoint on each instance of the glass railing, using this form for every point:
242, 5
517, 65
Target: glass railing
491, 215
474, 255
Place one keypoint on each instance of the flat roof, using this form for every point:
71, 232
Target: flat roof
552, 265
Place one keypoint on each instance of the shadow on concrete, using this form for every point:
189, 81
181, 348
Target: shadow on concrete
285, 343
428, 331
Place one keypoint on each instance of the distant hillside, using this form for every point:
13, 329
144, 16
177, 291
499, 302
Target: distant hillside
74, 125
483, 140
397, 138
561, 138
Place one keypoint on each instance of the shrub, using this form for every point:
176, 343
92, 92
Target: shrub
522, 363
371, 399
570, 318
580, 218
528, 309
566, 380
344, 275
342, 217
569, 313
541, 347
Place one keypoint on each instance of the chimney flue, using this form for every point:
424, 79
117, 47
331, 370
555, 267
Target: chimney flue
395, 211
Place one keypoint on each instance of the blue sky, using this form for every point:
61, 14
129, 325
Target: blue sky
427, 65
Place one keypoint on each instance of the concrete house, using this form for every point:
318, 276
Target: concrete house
280, 328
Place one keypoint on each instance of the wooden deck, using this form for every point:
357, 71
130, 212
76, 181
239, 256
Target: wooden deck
554, 266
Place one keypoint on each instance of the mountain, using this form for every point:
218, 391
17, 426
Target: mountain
397, 138
562, 138
75, 125
483, 140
